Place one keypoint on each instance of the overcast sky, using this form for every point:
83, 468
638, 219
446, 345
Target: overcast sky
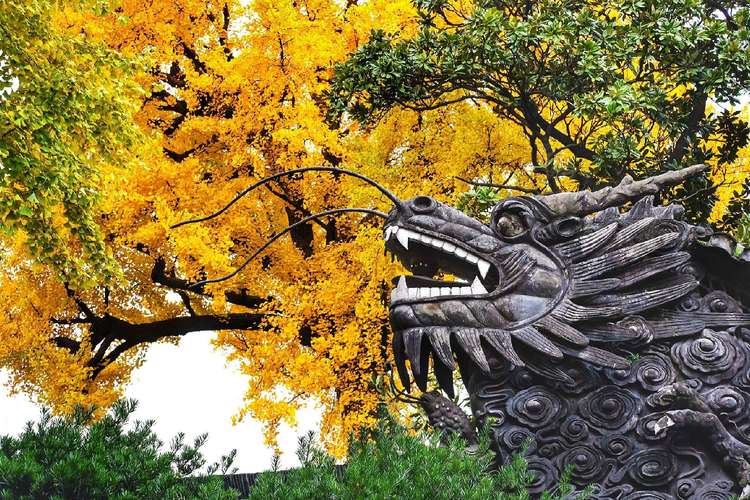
188, 388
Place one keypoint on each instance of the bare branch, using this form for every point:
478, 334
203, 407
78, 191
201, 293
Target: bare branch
697, 113
498, 186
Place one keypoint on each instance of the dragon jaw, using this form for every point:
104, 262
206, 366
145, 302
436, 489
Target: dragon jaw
476, 273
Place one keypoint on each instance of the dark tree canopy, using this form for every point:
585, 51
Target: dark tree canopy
601, 89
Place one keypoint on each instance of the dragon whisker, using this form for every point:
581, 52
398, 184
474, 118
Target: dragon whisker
282, 233
397, 202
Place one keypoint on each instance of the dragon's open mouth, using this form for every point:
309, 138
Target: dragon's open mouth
428, 256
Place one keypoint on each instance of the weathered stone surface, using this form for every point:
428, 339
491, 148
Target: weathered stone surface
617, 342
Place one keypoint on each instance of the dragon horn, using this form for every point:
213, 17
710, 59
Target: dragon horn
587, 202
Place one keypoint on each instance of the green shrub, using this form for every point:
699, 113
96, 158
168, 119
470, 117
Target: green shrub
78, 458
391, 462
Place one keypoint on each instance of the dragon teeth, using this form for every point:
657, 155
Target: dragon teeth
477, 288
402, 283
483, 267
403, 236
402, 292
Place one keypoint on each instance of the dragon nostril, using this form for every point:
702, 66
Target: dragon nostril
423, 204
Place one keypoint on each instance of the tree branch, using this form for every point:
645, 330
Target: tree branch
186, 302
533, 116
65, 343
82, 306
161, 276
697, 112
110, 329
182, 325
498, 186
179, 157
188, 51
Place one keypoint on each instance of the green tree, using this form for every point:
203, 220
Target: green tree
65, 110
392, 462
602, 88
75, 458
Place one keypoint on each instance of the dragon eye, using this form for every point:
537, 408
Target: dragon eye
514, 217
423, 204
509, 225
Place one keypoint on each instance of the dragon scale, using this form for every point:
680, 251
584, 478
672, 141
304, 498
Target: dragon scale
615, 340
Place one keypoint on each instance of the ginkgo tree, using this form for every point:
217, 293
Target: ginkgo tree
165, 110
232, 93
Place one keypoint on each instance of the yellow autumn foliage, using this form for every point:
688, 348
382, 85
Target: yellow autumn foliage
233, 95
234, 92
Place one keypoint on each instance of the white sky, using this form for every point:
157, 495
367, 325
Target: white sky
188, 388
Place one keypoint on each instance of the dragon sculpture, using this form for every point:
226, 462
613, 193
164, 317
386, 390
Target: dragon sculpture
608, 333
611, 340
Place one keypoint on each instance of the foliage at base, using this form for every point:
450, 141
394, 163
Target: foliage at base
77, 458
393, 462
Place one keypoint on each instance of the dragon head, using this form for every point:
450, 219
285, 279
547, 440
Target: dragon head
549, 277
532, 286
502, 277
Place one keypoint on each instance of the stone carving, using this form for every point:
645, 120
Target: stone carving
595, 329
611, 338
